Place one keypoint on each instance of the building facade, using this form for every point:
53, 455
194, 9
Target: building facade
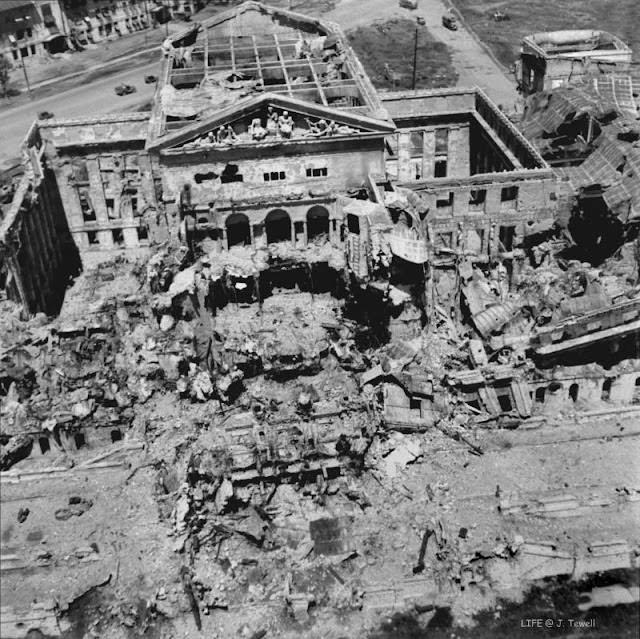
32, 28
266, 131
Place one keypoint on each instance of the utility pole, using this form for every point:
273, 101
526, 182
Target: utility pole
24, 70
415, 59
166, 24
16, 48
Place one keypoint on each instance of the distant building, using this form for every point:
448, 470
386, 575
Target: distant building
95, 20
32, 28
556, 58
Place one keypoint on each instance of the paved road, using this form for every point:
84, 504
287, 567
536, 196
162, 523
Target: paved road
85, 101
474, 65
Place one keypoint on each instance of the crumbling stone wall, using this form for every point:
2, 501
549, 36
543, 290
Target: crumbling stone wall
36, 250
239, 178
106, 195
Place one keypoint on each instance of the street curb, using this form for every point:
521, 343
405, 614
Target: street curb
97, 67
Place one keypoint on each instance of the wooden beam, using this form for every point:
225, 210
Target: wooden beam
257, 56
233, 54
206, 54
281, 58
323, 97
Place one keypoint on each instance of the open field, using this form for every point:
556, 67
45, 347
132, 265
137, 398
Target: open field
621, 17
389, 46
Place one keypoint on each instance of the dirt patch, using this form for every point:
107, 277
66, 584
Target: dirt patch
386, 49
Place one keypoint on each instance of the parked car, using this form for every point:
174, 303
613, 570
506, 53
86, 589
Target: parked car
150, 79
450, 23
421, 21
45, 115
500, 16
124, 89
409, 4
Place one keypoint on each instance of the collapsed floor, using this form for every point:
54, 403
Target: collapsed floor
233, 446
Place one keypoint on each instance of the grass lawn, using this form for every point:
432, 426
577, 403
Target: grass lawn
392, 42
620, 17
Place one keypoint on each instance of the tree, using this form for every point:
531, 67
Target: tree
5, 67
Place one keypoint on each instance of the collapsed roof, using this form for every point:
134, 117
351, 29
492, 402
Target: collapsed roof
603, 111
253, 48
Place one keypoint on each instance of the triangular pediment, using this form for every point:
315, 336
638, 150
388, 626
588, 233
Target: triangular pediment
270, 119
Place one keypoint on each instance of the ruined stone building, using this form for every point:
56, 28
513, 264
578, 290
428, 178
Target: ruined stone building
264, 121
556, 58
312, 332
485, 187
31, 29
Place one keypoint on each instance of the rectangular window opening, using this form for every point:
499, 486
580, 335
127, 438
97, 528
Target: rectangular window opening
477, 196
441, 202
442, 141
274, 176
507, 234
440, 169
416, 144
353, 224
118, 237
92, 237
317, 172
509, 193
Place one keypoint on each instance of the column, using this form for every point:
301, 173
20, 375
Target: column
428, 153
404, 157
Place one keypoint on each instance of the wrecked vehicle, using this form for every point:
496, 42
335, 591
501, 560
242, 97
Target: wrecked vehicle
450, 22
124, 89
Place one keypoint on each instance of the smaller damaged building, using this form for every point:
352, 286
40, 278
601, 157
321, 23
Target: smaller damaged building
556, 58
589, 133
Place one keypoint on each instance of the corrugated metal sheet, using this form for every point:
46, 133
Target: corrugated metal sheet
489, 398
521, 397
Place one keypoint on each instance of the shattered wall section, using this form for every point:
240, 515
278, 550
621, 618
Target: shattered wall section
105, 179
36, 249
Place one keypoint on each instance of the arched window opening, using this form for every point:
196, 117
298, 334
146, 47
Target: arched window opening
44, 444
278, 226
606, 389
573, 392
317, 223
238, 232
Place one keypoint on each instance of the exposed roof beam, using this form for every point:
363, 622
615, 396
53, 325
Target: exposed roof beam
257, 56
206, 54
284, 68
323, 97
233, 54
